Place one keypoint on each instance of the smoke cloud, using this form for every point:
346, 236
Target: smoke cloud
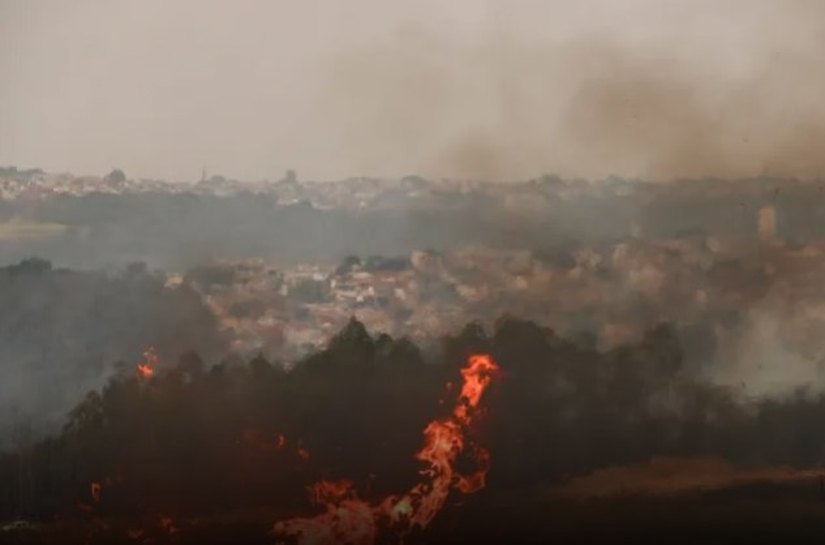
497, 90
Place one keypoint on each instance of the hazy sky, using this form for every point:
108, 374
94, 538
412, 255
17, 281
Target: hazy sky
500, 89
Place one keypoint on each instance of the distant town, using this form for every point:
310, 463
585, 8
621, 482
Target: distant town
600, 261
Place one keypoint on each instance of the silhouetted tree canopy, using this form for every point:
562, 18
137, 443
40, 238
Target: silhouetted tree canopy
244, 434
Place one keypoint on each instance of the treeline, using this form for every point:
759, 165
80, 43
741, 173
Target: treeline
177, 230
200, 439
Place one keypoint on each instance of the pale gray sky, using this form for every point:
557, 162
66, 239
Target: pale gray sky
499, 89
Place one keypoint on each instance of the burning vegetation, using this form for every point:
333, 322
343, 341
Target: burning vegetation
351, 521
570, 291
202, 454
146, 369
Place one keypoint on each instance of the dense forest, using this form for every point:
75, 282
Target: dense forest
202, 439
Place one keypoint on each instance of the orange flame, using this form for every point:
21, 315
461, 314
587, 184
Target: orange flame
95, 490
351, 521
324, 492
468, 484
146, 369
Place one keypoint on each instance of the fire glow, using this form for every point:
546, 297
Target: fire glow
352, 521
146, 369
95, 491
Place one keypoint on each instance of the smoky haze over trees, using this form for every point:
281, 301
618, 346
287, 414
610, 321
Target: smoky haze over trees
63, 333
178, 230
352, 411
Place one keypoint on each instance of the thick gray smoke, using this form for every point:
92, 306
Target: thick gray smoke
739, 96
498, 89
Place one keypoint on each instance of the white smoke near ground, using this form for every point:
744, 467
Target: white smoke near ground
778, 350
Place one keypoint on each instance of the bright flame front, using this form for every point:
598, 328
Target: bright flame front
348, 520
